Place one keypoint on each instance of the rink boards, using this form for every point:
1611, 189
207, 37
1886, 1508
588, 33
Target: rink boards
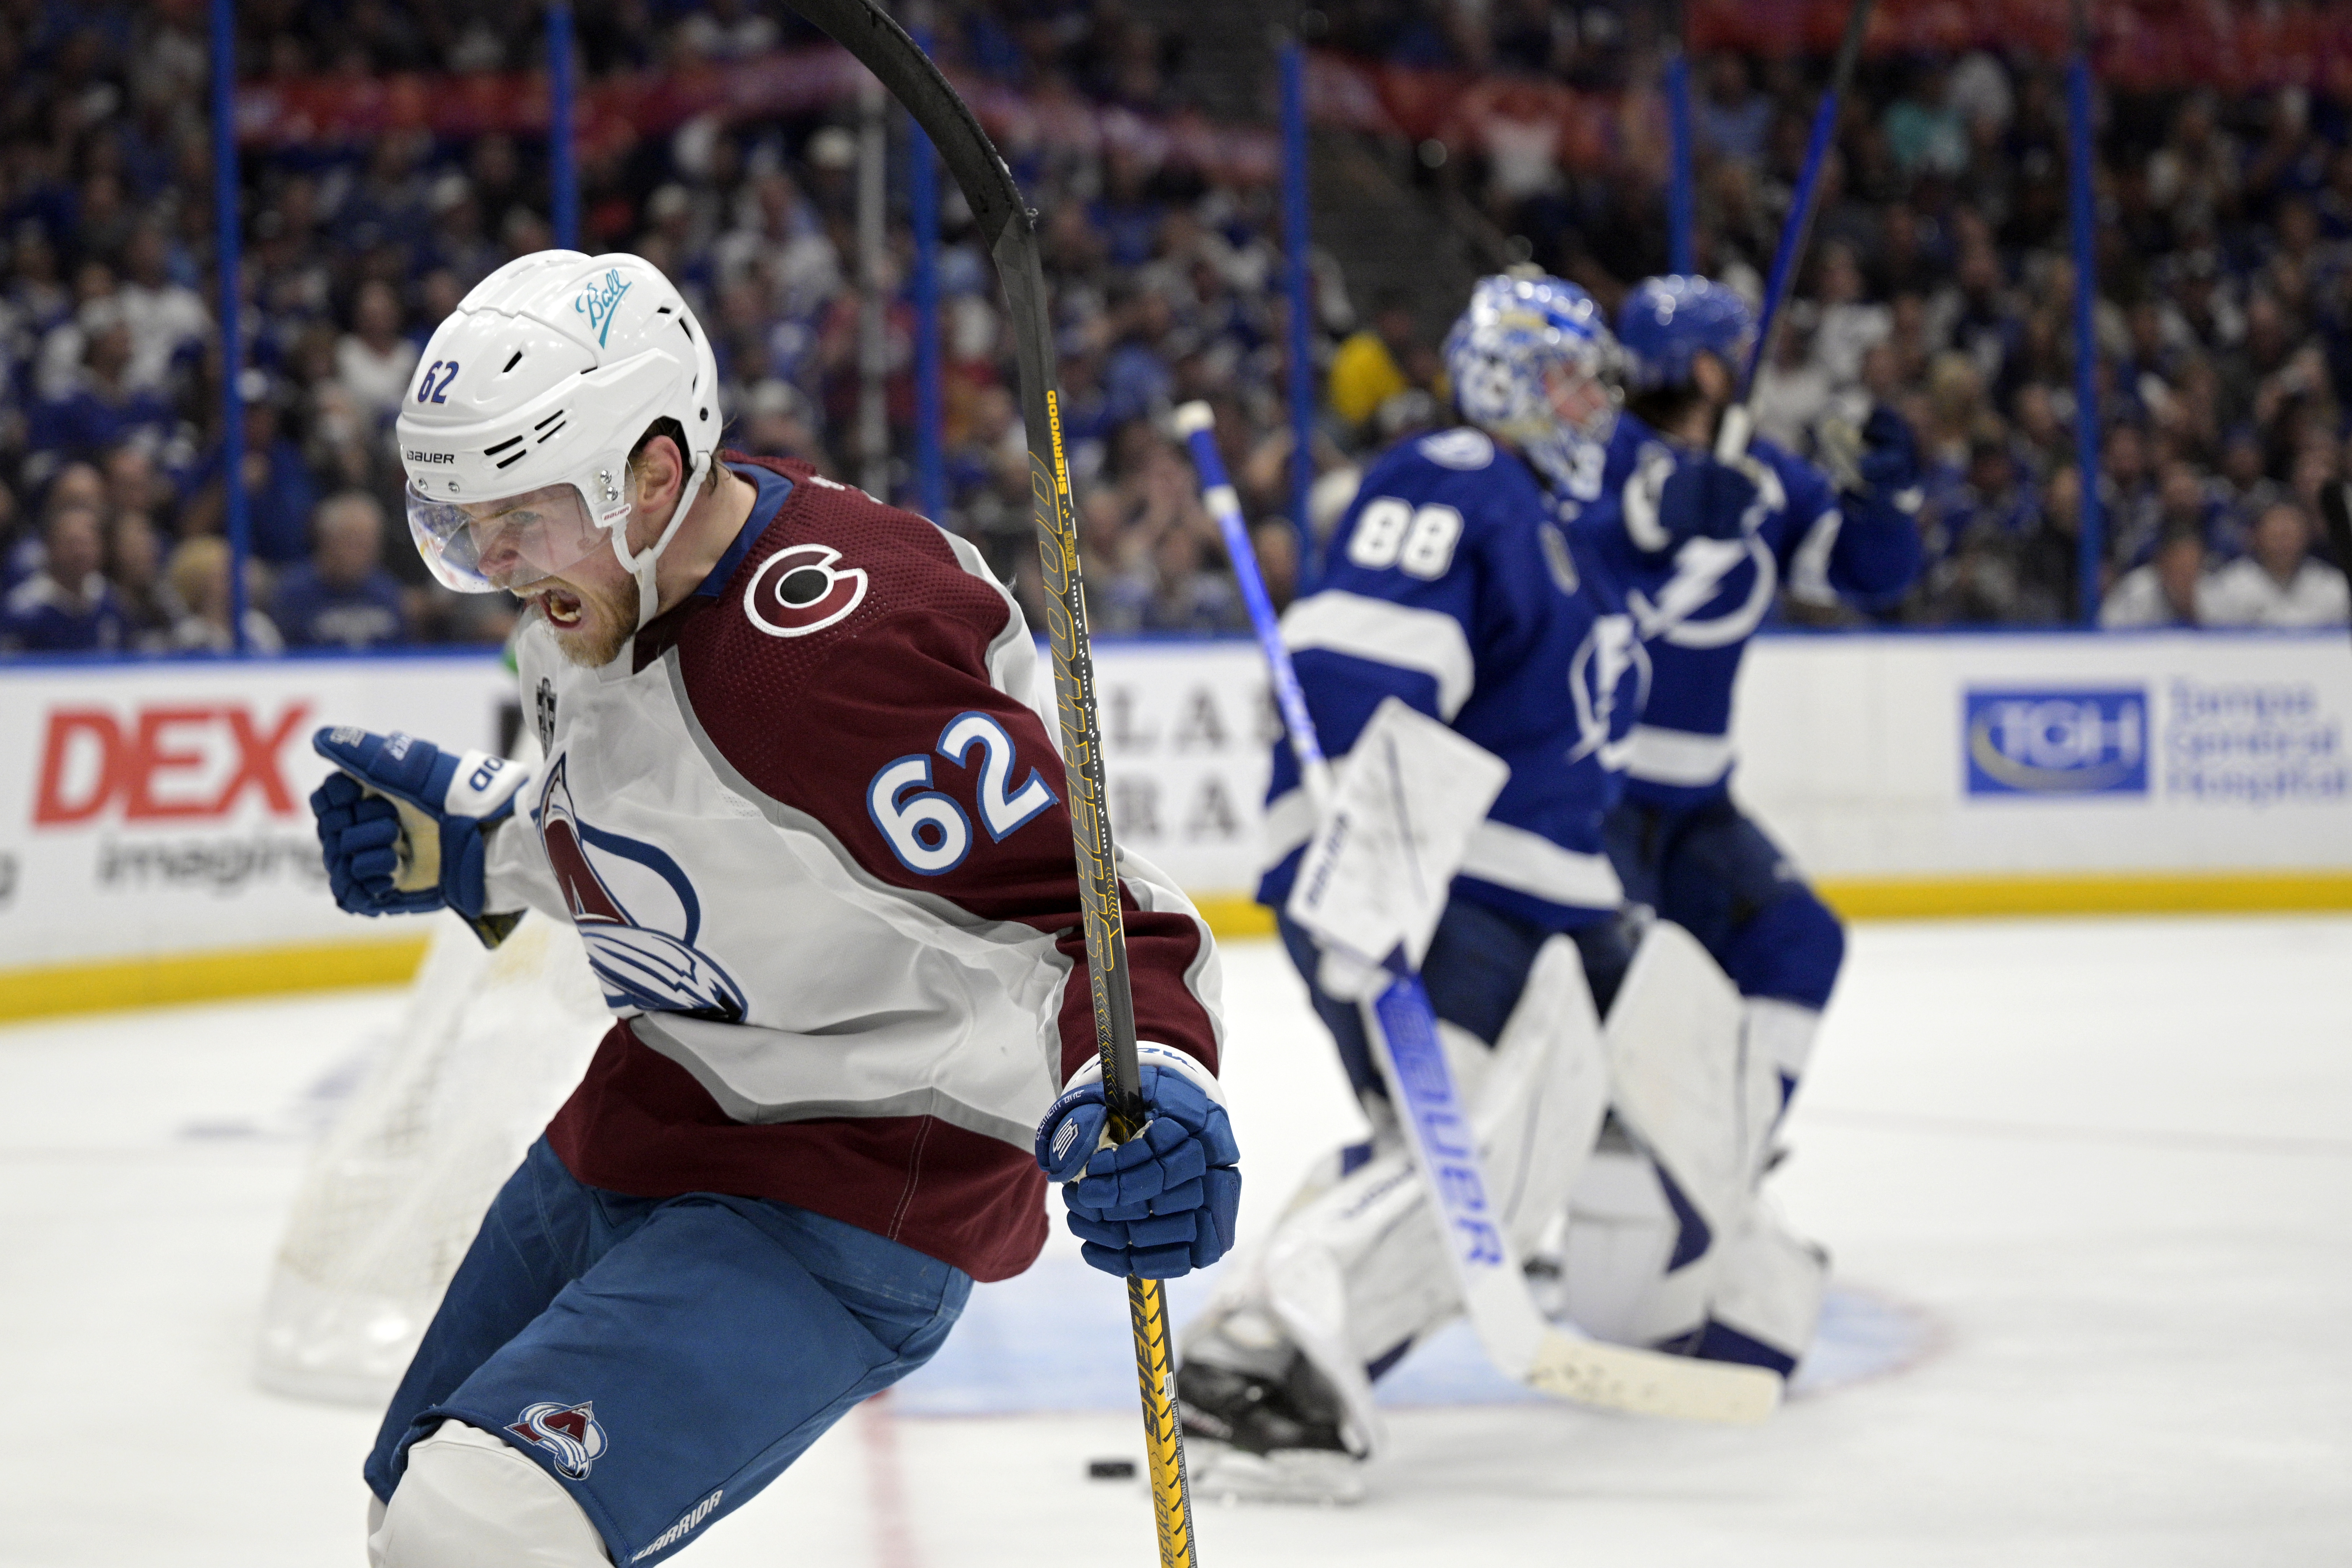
156, 846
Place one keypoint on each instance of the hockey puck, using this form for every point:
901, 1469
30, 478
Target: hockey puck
1110, 1469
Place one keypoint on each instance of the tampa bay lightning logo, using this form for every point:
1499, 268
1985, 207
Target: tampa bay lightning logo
1720, 589
571, 1433
1611, 659
637, 913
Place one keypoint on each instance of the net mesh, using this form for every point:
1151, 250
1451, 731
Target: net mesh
486, 1049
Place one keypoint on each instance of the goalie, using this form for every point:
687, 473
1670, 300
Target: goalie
810, 834
1454, 591
1458, 591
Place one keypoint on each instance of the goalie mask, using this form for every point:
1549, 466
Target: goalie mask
517, 430
1532, 361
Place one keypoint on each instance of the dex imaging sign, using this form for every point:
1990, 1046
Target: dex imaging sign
2073, 741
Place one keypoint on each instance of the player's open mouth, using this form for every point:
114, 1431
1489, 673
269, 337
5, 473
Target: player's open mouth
560, 606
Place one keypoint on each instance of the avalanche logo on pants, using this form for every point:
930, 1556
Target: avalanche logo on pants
569, 1432
637, 913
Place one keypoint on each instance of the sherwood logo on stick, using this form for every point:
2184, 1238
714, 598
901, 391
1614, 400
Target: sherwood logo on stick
2056, 742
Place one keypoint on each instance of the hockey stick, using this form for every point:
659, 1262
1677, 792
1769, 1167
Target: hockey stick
2335, 512
1516, 1335
1008, 227
1731, 437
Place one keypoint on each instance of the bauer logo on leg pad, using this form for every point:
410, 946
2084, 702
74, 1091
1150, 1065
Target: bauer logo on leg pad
569, 1432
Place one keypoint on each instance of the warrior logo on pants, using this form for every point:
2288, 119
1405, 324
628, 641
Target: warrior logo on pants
569, 1432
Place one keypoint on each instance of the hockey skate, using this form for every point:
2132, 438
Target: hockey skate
1255, 1438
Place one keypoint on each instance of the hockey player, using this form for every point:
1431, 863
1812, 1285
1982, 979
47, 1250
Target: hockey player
813, 840
1703, 550
1452, 588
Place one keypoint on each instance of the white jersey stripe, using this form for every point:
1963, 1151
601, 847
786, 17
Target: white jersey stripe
1427, 640
1508, 857
1678, 756
1529, 863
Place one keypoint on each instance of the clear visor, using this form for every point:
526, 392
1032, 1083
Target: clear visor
483, 546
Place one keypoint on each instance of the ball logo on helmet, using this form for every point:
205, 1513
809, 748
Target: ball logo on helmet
800, 590
598, 302
569, 1432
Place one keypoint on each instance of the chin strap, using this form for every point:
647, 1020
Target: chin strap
641, 566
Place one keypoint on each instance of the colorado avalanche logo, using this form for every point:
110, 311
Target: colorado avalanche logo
569, 1432
637, 913
799, 590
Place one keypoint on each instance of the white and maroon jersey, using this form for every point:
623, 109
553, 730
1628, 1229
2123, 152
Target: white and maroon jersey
813, 838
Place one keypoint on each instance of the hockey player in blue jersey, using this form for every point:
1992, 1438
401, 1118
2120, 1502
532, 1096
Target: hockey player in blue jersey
1455, 588
1702, 550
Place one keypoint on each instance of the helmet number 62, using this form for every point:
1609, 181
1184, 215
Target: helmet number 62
424, 386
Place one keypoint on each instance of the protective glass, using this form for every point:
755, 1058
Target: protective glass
484, 546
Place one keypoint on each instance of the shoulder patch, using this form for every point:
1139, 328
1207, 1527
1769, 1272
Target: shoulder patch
803, 589
1463, 448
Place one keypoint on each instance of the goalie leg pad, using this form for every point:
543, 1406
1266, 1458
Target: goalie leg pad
1756, 1297
1690, 1086
1359, 1272
1782, 1033
469, 1498
1620, 1238
1767, 1298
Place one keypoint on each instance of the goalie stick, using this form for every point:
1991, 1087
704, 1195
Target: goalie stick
1518, 1338
1008, 227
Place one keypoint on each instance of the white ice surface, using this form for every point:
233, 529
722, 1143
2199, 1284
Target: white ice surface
2105, 1170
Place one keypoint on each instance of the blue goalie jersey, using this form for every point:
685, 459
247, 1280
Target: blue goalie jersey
1454, 587
1697, 604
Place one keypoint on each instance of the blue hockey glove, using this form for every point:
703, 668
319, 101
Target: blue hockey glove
1889, 465
359, 836
1703, 498
1876, 465
1160, 1204
401, 823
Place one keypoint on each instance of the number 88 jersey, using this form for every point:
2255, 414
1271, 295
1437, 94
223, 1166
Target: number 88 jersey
1453, 587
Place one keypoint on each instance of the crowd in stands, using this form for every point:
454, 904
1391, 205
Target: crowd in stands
1942, 284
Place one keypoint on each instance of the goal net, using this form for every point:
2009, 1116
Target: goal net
489, 1042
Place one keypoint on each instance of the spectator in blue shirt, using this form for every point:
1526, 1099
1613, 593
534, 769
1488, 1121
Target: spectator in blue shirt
280, 494
343, 596
67, 606
103, 410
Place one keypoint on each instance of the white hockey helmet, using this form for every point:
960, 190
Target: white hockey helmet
517, 431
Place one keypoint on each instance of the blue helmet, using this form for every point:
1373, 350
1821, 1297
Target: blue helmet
1532, 361
1666, 322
